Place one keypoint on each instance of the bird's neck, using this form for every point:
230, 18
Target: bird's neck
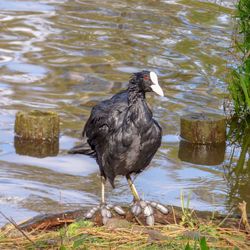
134, 93
138, 110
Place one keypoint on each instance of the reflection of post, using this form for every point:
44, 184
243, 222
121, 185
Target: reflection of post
38, 149
209, 154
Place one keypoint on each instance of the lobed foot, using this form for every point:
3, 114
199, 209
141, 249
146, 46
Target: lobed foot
105, 210
147, 208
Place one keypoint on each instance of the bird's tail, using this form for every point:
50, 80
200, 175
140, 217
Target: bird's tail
83, 148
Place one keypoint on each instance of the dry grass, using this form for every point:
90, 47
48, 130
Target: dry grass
84, 235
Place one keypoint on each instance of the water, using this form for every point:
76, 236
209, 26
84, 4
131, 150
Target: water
67, 55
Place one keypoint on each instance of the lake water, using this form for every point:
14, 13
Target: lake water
65, 56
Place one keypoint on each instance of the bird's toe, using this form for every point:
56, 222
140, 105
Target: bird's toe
105, 211
146, 209
90, 213
119, 210
159, 207
107, 214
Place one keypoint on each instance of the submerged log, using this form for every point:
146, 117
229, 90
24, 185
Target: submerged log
208, 154
203, 128
37, 125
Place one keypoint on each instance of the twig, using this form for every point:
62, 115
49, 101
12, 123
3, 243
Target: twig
138, 220
175, 222
18, 228
240, 223
229, 213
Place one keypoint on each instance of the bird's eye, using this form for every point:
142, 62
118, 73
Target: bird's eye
146, 78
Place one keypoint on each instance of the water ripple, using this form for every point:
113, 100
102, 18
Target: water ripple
66, 56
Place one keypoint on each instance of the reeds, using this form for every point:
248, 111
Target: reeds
239, 86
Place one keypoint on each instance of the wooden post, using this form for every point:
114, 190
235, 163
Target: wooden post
37, 125
203, 128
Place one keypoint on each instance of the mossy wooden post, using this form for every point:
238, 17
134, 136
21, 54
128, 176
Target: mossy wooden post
203, 128
37, 125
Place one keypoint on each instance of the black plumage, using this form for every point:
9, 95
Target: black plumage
121, 132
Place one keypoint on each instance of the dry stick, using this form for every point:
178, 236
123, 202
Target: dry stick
18, 228
240, 223
242, 207
174, 215
138, 220
229, 213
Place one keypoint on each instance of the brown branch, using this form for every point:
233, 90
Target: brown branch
11, 221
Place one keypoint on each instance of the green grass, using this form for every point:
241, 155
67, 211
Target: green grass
239, 86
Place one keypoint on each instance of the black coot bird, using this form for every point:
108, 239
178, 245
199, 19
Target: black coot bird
123, 137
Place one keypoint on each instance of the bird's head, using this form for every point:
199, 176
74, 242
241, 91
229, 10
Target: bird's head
147, 81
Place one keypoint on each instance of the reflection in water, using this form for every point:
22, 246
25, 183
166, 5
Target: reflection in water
237, 169
209, 154
39, 149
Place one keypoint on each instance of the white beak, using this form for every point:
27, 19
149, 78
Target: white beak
157, 89
155, 86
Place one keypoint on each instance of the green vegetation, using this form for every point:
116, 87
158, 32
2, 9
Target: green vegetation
237, 168
239, 86
239, 137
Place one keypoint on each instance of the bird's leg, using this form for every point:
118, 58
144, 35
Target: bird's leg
133, 189
146, 207
104, 208
103, 189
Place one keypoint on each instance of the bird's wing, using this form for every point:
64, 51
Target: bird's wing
105, 117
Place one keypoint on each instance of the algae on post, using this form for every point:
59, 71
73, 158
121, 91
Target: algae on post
203, 128
37, 125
